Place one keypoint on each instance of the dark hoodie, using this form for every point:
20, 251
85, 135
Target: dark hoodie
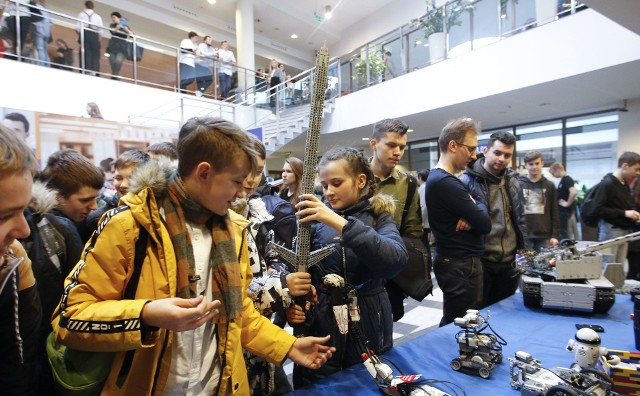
540, 208
612, 200
503, 196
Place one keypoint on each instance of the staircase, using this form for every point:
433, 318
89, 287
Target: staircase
289, 124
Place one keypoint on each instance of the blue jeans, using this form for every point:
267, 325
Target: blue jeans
225, 84
461, 281
607, 231
41, 43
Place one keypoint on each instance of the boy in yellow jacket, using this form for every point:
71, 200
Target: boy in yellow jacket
185, 330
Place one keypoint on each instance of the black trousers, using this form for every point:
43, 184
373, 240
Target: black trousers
500, 280
91, 51
460, 280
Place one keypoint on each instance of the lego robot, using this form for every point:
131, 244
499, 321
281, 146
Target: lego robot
479, 352
588, 350
528, 376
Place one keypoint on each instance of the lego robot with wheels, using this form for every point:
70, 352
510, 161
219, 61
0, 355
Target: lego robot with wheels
479, 352
528, 376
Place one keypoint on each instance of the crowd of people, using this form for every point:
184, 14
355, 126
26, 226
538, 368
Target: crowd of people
202, 63
214, 292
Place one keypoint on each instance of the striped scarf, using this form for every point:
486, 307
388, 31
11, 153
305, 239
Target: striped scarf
226, 284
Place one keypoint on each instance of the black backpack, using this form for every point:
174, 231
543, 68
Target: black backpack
588, 212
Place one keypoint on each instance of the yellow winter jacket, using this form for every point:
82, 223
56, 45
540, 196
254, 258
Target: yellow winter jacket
92, 316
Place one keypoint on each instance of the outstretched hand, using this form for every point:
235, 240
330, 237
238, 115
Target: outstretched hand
310, 208
179, 314
310, 352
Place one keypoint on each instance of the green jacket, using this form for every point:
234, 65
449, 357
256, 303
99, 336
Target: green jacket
396, 185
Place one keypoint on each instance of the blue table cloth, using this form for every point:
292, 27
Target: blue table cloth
544, 334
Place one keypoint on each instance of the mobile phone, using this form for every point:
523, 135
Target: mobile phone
594, 327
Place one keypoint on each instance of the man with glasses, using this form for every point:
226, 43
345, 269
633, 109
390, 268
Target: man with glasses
458, 221
491, 180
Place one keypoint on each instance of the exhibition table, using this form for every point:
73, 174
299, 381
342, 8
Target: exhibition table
544, 334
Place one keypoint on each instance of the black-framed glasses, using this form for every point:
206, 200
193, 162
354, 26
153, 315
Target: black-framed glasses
471, 149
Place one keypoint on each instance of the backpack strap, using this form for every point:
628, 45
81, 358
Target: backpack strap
140, 254
412, 184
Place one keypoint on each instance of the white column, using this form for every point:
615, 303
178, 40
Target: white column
245, 40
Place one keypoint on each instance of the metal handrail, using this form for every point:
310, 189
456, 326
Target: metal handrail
73, 22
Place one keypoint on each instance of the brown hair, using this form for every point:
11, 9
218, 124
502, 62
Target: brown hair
166, 149
15, 155
382, 127
628, 157
68, 171
556, 167
531, 156
356, 164
215, 141
456, 130
131, 158
297, 168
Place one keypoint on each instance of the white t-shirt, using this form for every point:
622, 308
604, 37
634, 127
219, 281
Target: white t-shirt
226, 56
93, 20
207, 54
195, 367
188, 56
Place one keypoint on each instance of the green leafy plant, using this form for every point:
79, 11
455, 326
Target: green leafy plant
376, 66
434, 19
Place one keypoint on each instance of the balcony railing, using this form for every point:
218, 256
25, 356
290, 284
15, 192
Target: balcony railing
460, 26
78, 46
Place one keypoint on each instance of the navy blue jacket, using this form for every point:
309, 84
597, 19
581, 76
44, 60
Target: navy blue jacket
374, 252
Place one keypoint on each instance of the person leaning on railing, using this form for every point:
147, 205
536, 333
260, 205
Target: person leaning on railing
117, 47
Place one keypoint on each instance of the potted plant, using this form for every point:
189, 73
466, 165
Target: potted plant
376, 68
434, 22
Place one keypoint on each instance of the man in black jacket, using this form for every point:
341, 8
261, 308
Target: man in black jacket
614, 205
540, 206
491, 180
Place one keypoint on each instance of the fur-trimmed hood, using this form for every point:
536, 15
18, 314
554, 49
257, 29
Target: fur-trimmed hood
43, 199
381, 203
155, 174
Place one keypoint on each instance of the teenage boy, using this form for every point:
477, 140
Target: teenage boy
191, 318
124, 166
76, 181
614, 204
19, 302
388, 143
566, 194
458, 222
540, 205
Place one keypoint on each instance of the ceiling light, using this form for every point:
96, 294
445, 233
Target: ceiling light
418, 41
327, 12
409, 130
294, 36
366, 138
212, 1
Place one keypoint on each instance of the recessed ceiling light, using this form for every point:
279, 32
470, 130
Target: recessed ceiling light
212, 1
294, 36
365, 138
409, 130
